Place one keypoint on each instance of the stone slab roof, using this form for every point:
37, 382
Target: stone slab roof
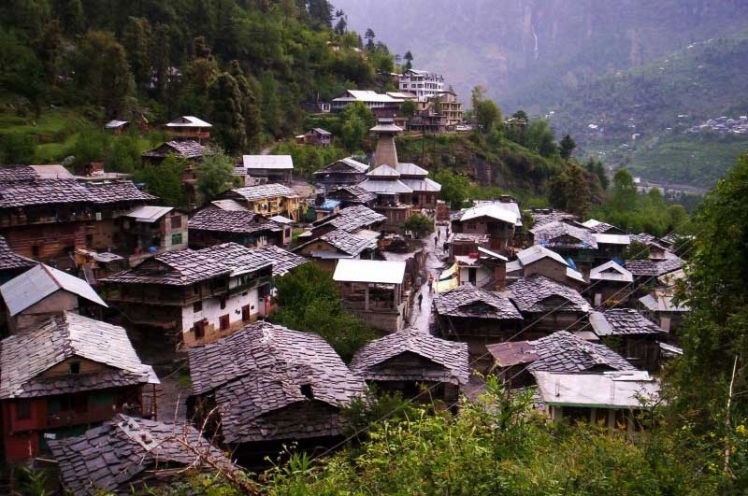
622, 322
215, 219
449, 359
353, 218
110, 457
469, 301
531, 295
24, 357
653, 268
116, 191
263, 370
283, 260
12, 261
182, 149
348, 243
17, 173
240, 259
559, 352
546, 216
352, 194
558, 234
344, 166
262, 191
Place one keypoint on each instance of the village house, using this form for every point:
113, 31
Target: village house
449, 107
350, 219
352, 195
494, 222
596, 226
610, 283
376, 291
408, 360
43, 292
393, 197
213, 225
94, 266
268, 200
425, 190
567, 240
343, 172
659, 249
189, 128
631, 334
48, 219
547, 306
610, 246
660, 308
318, 137
191, 152
190, 297
543, 216
276, 386
324, 207
477, 317
336, 245
12, 264
483, 269
646, 272
66, 374
116, 126
548, 263
283, 260
613, 399
560, 352
128, 454
268, 169
152, 229
380, 104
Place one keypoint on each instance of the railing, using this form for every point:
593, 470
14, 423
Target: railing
90, 416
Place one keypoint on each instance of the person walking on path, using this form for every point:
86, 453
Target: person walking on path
420, 300
431, 283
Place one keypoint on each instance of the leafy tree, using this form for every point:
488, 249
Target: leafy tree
342, 25
598, 168
214, 175
123, 155
408, 109
356, 120
570, 190
623, 193
309, 301
420, 225
137, 40
49, 47
321, 12
90, 146
17, 148
369, 36
487, 113
636, 251
539, 138
165, 181
567, 146
73, 18
408, 57
455, 187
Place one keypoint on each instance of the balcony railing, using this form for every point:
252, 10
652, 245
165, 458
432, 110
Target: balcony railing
90, 416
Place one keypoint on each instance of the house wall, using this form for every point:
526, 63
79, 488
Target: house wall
279, 205
53, 242
63, 368
169, 232
548, 268
483, 276
212, 312
40, 312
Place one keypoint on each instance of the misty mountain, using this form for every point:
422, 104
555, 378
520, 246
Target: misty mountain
510, 46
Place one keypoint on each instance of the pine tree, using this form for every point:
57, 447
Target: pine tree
226, 112
137, 40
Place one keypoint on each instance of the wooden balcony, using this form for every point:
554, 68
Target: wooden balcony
90, 416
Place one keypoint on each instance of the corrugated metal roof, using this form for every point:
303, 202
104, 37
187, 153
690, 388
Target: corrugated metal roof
188, 121
148, 213
608, 390
36, 284
613, 239
267, 161
372, 271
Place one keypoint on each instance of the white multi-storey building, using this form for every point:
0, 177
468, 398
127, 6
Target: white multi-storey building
423, 84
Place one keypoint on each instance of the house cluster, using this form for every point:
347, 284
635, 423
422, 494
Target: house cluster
575, 314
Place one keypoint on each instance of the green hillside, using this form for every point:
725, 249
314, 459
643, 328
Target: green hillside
640, 118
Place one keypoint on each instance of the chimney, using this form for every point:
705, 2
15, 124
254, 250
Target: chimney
499, 275
319, 196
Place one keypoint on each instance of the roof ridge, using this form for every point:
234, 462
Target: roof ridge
51, 274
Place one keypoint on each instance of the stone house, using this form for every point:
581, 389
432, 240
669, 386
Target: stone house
630, 334
547, 306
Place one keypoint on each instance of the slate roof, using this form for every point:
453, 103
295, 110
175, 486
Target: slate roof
283, 260
409, 169
23, 357
182, 149
392, 186
273, 190
346, 242
173, 268
353, 218
239, 258
559, 352
110, 457
352, 194
343, 166
653, 268
230, 221
620, 322
548, 235
17, 173
542, 217
34, 285
611, 271
423, 184
471, 302
262, 371
530, 294
10, 260
116, 191
449, 359
600, 227
648, 239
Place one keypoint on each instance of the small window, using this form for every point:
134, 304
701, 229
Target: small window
75, 368
176, 239
224, 322
23, 410
35, 250
223, 303
176, 222
197, 306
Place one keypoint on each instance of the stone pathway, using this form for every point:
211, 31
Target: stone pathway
435, 258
